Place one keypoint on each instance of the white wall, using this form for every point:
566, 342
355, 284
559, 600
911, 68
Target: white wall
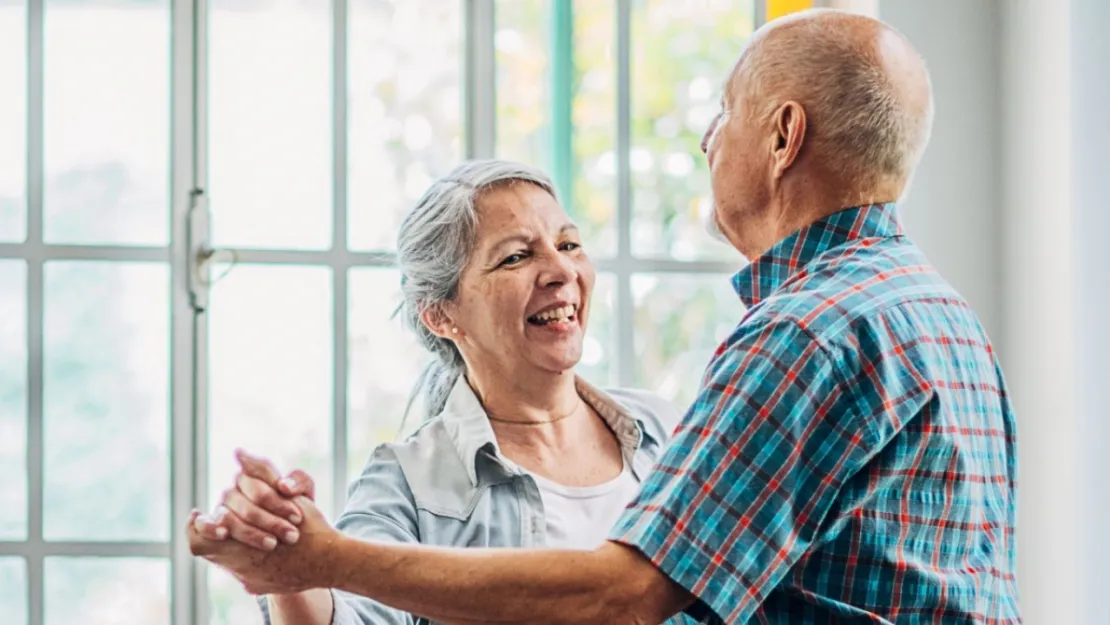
1038, 329
1009, 205
1090, 88
952, 207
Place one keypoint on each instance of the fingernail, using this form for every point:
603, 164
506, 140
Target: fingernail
269, 543
295, 519
289, 483
291, 536
221, 532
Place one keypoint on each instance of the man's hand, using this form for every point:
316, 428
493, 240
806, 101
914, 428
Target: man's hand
282, 570
258, 509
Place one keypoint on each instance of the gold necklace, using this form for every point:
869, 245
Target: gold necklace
555, 420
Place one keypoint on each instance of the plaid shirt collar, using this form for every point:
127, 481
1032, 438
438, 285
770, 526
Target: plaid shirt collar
763, 277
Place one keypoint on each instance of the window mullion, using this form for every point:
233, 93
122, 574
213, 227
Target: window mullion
35, 305
339, 243
625, 315
480, 76
562, 98
189, 339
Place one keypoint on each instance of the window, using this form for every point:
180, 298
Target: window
138, 134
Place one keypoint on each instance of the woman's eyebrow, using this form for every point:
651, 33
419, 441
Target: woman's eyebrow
495, 249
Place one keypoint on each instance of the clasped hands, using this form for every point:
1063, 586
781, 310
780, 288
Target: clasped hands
266, 531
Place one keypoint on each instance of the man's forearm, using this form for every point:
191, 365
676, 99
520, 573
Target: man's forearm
496, 585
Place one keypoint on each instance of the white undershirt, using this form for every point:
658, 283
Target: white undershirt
580, 517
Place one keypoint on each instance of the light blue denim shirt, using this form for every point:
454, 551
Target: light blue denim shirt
448, 485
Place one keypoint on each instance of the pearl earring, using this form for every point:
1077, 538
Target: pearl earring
454, 330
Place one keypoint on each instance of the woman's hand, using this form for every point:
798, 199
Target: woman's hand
285, 569
258, 510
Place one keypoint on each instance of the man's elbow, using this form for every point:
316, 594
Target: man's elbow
635, 606
635, 592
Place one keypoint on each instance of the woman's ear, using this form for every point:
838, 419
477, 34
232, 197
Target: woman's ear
438, 322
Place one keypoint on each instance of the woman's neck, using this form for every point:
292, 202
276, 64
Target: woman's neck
538, 399
542, 424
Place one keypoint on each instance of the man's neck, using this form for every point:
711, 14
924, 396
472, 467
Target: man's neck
801, 205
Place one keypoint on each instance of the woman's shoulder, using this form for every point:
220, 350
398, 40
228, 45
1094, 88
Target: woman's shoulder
427, 466
658, 415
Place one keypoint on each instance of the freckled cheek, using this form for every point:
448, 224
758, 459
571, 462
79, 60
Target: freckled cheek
481, 307
587, 278
504, 300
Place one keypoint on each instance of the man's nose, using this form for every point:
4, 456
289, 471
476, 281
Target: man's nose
709, 134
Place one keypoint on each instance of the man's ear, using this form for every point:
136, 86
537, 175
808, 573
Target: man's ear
790, 131
436, 319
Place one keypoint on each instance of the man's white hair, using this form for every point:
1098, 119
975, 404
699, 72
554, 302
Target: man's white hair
858, 116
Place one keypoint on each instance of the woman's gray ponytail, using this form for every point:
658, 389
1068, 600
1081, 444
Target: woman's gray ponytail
433, 247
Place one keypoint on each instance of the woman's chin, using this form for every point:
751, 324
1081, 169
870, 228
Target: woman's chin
556, 361
556, 348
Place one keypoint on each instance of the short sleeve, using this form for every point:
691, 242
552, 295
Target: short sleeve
379, 508
742, 491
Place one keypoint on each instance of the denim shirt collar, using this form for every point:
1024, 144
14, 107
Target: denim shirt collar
470, 431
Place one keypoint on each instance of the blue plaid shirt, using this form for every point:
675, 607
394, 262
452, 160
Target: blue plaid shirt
851, 455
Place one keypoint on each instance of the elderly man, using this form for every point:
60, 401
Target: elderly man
851, 455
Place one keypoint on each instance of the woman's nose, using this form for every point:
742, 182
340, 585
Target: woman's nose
557, 269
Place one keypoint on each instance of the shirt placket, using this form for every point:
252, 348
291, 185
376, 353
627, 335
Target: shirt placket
533, 523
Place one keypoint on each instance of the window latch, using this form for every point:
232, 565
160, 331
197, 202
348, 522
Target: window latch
199, 250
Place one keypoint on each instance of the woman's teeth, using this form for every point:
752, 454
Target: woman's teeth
554, 315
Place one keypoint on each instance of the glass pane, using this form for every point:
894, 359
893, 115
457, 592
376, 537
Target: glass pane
385, 359
599, 347
270, 382
107, 591
13, 120
680, 322
593, 122
404, 84
106, 401
523, 57
269, 135
13, 401
107, 122
13, 590
682, 52
532, 89
228, 603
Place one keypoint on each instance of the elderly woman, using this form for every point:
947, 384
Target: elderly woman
518, 451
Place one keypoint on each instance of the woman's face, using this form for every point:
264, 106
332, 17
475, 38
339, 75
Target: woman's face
524, 297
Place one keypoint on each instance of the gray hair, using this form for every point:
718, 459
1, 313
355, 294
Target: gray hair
870, 128
433, 248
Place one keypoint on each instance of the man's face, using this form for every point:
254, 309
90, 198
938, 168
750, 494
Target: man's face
738, 163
